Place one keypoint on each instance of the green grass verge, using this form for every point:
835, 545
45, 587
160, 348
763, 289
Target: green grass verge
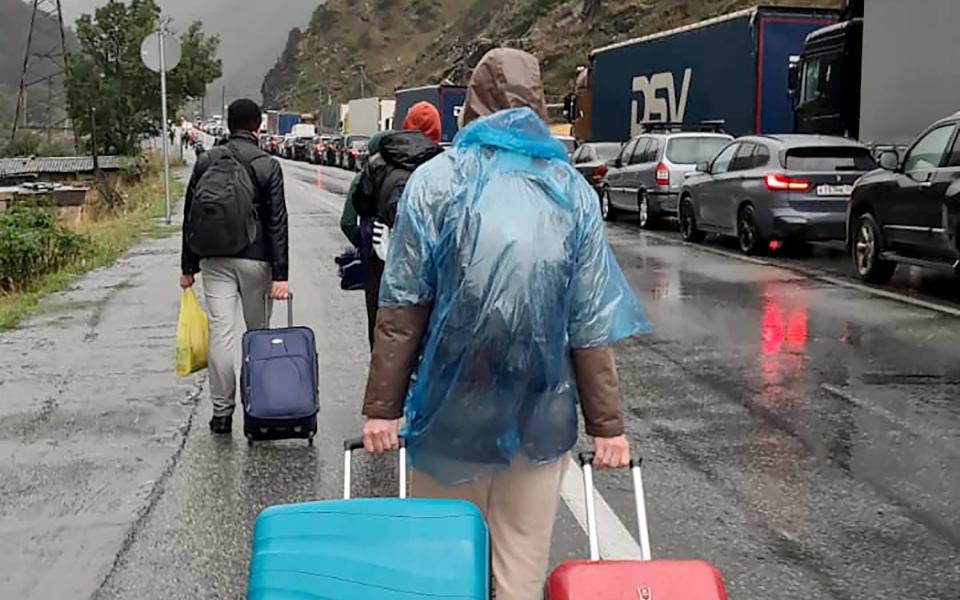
110, 238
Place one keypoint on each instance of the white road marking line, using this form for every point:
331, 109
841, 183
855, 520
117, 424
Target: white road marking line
877, 410
818, 275
616, 541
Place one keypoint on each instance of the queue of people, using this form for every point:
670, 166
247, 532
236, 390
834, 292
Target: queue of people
493, 301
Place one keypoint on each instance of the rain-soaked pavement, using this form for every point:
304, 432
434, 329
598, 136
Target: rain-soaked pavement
803, 436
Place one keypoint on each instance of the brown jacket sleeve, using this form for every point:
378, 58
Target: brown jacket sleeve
395, 351
596, 373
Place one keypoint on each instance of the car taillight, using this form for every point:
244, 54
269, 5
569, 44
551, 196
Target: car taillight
777, 182
600, 172
662, 176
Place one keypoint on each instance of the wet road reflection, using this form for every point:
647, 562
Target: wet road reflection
813, 426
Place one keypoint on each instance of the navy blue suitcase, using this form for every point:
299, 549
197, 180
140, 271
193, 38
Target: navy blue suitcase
370, 549
279, 383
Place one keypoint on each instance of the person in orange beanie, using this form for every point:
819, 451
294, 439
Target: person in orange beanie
378, 192
424, 117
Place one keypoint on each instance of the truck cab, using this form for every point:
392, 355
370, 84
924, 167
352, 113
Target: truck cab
825, 81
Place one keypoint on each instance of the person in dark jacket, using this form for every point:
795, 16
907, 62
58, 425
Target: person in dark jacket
349, 221
381, 185
247, 278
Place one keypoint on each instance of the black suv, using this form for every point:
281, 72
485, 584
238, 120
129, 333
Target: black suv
909, 211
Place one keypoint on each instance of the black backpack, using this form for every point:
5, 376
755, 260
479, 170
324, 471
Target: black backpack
223, 215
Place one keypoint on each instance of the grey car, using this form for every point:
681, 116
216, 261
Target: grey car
591, 160
774, 188
646, 176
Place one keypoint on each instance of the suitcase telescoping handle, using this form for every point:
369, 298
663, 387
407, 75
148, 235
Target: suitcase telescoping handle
357, 444
586, 466
266, 310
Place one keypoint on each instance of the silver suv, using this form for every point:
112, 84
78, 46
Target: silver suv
646, 177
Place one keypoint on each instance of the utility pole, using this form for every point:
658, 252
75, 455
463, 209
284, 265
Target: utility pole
93, 139
363, 92
223, 100
163, 116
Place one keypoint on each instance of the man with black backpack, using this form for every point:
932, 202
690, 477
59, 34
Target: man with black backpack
235, 235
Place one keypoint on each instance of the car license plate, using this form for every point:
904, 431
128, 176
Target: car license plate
834, 190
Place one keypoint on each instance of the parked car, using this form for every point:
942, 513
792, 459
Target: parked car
909, 211
318, 149
569, 143
302, 147
765, 189
591, 159
646, 177
287, 146
353, 145
332, 155
275, 144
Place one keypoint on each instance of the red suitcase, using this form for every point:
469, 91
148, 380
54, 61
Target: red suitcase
644, 579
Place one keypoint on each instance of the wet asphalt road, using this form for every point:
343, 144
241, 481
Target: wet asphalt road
802, 436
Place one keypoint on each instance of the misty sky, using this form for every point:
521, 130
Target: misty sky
252, 32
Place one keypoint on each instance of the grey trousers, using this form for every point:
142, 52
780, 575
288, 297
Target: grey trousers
232, 285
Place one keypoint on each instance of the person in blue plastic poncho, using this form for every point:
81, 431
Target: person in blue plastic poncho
499, 304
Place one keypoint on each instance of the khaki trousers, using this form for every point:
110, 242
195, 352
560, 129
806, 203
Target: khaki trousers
520, 507
231, 286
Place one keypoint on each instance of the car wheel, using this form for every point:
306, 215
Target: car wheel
648, 219
607, 210
747, 232
688, 223
867, 247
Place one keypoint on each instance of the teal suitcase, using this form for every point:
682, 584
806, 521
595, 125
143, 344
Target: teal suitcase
370, 549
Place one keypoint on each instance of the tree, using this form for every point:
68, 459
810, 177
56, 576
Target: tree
107, 79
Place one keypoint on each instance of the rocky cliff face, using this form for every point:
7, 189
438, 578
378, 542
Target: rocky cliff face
372, 47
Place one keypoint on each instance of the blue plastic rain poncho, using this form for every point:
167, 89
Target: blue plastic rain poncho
505, 240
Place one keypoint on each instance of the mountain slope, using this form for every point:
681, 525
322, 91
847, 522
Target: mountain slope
407, 43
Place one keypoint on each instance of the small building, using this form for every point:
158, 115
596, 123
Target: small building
63, 169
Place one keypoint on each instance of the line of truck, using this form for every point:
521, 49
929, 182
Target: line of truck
367, 116
879, 71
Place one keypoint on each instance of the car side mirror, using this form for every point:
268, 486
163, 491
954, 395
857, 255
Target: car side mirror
703, 167
793, 76
889, 160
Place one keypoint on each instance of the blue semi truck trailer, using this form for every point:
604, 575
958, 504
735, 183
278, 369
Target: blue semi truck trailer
447, 99
286, 121
732, 68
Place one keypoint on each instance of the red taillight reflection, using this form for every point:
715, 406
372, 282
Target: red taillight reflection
600, 172
662, 176
778, 182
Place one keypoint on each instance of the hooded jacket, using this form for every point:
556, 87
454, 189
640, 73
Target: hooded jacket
383, 180
501, 298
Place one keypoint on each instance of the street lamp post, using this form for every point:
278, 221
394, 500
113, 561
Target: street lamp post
163, 117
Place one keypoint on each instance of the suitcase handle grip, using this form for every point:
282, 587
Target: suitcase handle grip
266, 310
586, 467
355, 444
351, 445
587, 458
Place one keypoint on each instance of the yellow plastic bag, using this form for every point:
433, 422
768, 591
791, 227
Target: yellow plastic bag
191, 335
